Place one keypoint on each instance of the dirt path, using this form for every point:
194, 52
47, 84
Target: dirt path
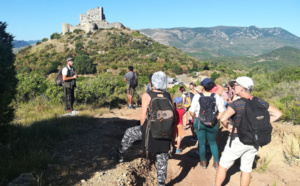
184, 169
89, 158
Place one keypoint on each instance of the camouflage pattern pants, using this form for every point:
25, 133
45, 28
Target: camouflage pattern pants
135, 133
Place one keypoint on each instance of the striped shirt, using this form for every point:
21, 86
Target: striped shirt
239, 107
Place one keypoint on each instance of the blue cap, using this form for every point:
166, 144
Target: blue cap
178, 100
205, 81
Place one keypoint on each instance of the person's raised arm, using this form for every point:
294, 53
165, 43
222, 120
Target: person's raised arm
275, 114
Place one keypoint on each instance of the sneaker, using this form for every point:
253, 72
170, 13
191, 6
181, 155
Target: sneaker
131, 107
203, 164
178, 151
120, 156
216, 165
161, 184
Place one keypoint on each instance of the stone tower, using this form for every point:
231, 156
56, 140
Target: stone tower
91, 21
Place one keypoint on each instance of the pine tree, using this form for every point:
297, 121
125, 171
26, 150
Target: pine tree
8, 79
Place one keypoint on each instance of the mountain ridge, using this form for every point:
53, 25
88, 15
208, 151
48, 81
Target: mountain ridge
209, 42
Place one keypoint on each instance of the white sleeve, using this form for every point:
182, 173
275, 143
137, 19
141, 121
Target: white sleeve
64, 71
220, 103
194, 104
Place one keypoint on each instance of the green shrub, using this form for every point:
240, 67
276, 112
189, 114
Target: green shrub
30, 86
114, 66
101, 89
214, 76
84, 65
44, 39
77, 31
55, 36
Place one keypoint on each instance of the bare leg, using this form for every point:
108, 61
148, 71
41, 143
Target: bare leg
220, 176
178, 142
129, 99
245, 178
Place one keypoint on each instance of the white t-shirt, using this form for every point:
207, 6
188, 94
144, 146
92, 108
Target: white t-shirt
195, 106
65, 72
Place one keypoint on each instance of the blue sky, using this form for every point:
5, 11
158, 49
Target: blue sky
37, 19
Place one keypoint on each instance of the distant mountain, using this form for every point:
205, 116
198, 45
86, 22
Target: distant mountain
204, 43
279, 58
22, 43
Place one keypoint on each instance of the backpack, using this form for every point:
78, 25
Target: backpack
188, 101
58, 79
255, 127
207, 114
133, 81
160, 118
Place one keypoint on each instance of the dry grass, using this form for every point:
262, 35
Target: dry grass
41, 109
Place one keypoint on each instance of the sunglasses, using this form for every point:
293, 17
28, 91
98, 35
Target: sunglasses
235, 86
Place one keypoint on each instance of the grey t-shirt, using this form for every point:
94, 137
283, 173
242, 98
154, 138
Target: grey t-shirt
129, 75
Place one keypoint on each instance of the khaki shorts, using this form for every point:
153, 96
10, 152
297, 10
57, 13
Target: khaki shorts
238, 149
130, 91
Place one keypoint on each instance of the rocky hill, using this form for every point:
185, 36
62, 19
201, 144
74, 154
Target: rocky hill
219, 41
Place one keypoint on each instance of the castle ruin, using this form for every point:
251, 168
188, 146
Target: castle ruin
91, 21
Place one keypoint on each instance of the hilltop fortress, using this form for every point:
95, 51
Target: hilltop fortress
91, 21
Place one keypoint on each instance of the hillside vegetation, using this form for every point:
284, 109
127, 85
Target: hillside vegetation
106, 54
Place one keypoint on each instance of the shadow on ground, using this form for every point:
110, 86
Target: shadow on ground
79, 147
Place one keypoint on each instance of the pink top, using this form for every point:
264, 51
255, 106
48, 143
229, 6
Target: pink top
225, 95
179, 113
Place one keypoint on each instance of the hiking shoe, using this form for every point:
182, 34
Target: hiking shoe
131, 107
178, 151
161, 184
203, 164
120, 156
216, 165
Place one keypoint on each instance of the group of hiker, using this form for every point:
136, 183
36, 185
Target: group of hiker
163, 120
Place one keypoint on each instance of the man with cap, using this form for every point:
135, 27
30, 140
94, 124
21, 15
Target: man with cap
69, 83
242, 87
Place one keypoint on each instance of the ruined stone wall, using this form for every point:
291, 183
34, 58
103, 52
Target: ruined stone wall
93, 20
92, 15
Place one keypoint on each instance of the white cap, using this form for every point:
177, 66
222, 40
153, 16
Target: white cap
245, 82
159, 80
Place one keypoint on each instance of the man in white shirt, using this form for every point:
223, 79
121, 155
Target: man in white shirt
69, 83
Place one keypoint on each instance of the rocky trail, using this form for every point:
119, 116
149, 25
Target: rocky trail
89, 158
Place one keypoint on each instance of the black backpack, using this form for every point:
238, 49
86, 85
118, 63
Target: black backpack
133, 81
255, 127
58, 79
207, 114
160, 118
